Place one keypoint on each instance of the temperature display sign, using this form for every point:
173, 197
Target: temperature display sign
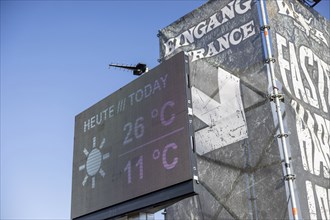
133, 148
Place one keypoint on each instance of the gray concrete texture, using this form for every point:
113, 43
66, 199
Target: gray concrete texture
238, 154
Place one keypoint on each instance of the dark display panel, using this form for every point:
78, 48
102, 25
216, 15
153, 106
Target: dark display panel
135, 141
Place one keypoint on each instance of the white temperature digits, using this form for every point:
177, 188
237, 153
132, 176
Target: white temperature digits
139, 165
135, 130
167, 163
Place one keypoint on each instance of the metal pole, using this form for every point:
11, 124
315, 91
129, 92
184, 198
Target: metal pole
276, 96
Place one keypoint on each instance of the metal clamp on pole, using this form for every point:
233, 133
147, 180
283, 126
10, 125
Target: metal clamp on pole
289, 177
282, 135
264, 27
270, 60
273, 97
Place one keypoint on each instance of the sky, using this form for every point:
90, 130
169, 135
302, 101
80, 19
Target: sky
54, 65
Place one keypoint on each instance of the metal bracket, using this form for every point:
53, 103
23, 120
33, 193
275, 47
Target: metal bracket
282, 135
196, 179
280, 96
270, 60
289, 177
262, 28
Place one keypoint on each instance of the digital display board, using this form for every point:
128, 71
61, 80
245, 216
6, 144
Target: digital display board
134, 142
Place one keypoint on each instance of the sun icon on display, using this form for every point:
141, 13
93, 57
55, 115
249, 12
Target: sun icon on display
94, 162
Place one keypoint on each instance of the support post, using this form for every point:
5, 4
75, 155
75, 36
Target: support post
276, 98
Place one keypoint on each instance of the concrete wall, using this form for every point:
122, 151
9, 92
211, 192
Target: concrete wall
238, 154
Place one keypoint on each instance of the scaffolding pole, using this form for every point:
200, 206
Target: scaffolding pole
276, 97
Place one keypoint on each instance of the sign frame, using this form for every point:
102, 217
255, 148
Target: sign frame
155, 198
